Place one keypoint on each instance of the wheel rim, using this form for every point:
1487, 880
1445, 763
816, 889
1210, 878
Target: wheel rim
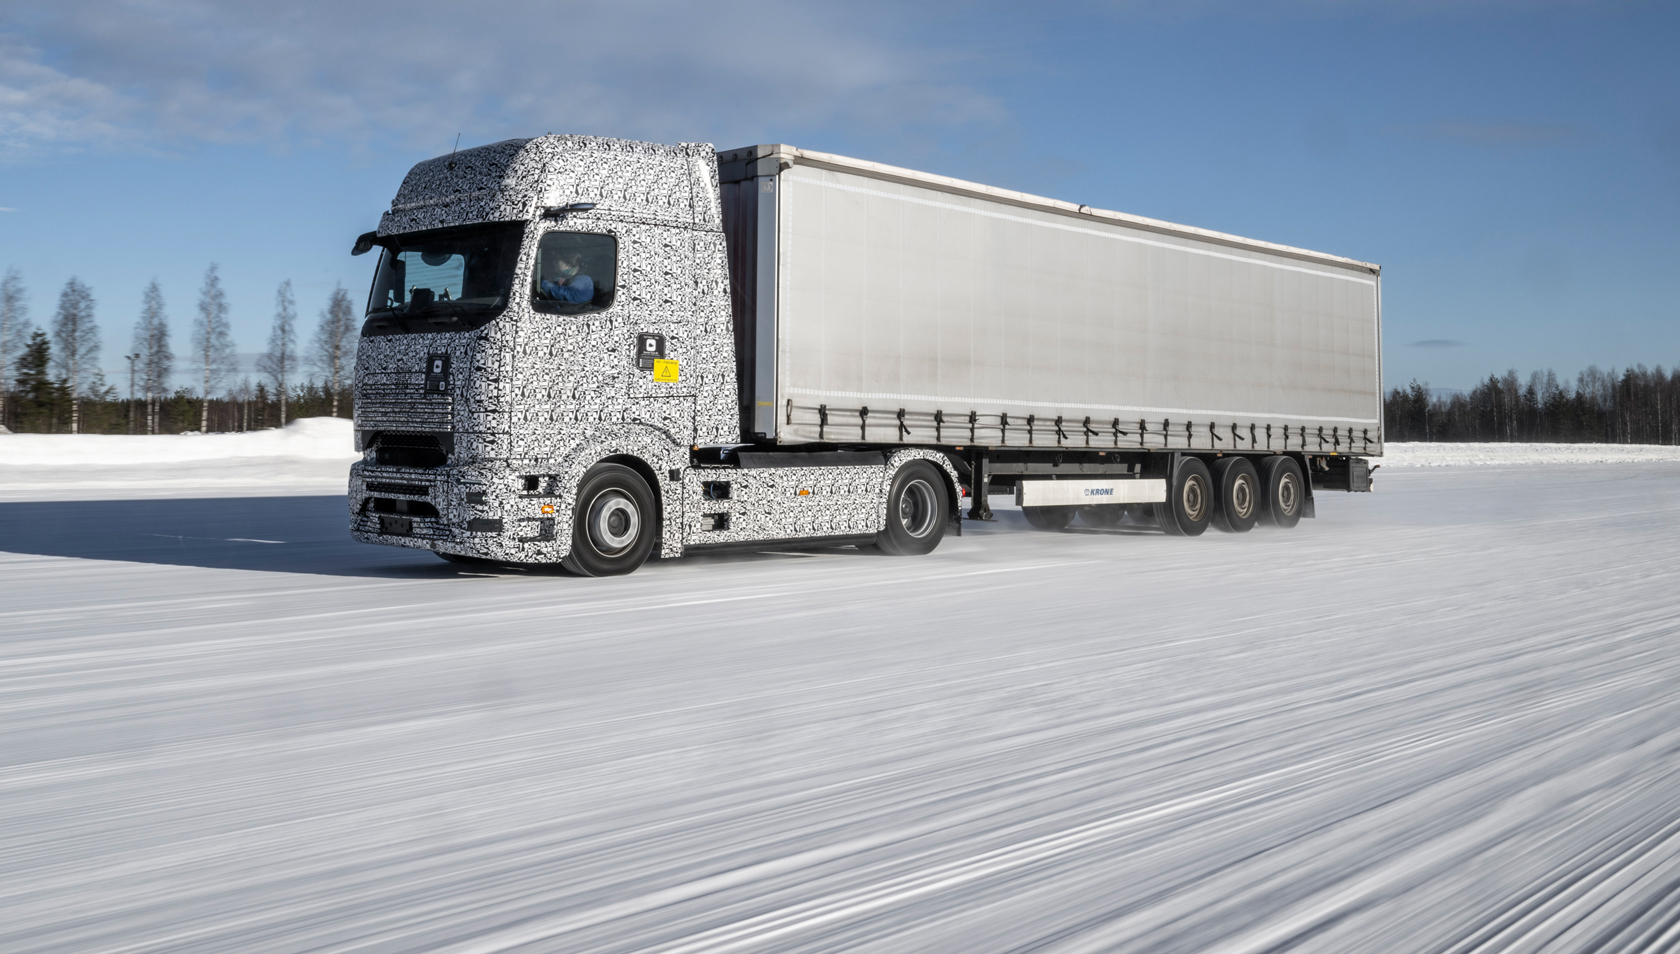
1288, 498
614, 522
1194, 498
916, 508
1242, 496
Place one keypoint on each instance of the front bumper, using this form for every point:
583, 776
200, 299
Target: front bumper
455, 510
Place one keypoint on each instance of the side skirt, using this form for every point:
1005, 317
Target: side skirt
789, 543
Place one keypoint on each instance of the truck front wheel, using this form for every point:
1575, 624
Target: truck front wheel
613, 524
916, 511
1189, 505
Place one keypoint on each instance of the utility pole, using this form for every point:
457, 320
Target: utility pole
131, 359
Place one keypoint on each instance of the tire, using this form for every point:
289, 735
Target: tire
1104, 517
614, 523
1285, 491
1050, 518
917, 510
1189, 506
1238, 500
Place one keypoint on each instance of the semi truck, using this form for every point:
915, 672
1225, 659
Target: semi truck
589, 351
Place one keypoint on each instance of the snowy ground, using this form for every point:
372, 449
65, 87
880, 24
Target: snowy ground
1500, 455
1441, 717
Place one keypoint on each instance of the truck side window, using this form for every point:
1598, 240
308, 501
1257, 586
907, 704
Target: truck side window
577, 273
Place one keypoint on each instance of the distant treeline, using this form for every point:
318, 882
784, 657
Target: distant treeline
52, 384
248, 407
1633, 406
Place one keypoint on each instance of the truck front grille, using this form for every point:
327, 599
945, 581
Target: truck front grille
401, 490
410, 450
411, 508
400, 400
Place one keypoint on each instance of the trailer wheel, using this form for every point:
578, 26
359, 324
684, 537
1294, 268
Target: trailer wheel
917, 511
1050, 518
1188, 509
612, 522
1239, 501
1285, 491
1104, 516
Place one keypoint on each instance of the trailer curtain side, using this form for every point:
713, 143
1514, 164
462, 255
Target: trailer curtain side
959, 317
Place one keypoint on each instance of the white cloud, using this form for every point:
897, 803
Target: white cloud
41, 106
165, 73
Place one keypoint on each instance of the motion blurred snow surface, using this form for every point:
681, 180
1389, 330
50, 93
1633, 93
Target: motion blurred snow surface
1440, 717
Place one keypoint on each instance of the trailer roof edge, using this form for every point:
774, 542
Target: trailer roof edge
792, 155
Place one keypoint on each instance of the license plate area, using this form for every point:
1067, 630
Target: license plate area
396, 526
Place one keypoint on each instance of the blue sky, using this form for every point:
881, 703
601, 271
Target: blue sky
1515, 167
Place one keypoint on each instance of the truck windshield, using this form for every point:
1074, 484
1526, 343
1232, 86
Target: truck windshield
443, 279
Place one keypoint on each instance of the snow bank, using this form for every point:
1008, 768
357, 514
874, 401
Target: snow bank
310, 438
309, 456
312, 456
1495, 455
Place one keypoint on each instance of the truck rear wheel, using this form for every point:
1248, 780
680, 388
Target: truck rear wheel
1239, 500
1285, 491
1188, 509
916, 511
613, 523
1050, 518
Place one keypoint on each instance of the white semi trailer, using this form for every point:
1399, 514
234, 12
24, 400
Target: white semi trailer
584, 351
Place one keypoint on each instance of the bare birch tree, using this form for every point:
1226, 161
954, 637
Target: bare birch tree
212, 340
334, 347
151, 343
241, 396
14, 331
75, 345
280, 360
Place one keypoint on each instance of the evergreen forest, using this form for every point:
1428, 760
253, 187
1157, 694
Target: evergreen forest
1635, 405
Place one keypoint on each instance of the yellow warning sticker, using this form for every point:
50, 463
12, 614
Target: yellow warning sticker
664, 369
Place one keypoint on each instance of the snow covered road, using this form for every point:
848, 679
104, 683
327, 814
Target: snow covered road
1441, 717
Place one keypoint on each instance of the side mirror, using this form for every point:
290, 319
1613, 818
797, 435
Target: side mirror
364, 243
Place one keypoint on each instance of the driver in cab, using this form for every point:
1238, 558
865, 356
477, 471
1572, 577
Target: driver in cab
564, 283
